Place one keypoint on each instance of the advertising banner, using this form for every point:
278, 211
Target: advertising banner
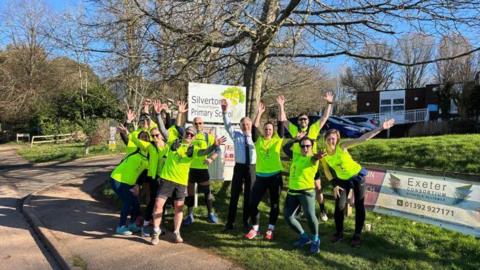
446, 202
204, 100
373, 184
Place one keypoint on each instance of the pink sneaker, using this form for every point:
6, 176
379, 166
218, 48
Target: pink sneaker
269, 235
251, 234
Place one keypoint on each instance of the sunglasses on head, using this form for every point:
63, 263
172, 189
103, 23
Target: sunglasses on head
302, 119
305, 145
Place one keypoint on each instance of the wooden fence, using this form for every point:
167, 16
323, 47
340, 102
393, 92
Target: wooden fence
52, 138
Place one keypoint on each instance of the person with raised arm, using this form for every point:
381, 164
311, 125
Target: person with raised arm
301, 190
199, 173
313, 131
244, 169
349, 175
268, 145
174, 176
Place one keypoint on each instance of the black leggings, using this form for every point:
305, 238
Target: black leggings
357, 182
274, 186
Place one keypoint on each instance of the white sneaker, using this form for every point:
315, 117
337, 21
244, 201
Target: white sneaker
178, 238
323, 216
155, 237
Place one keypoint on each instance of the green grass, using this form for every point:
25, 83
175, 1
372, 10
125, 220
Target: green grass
64, 152
450, 153
393, 243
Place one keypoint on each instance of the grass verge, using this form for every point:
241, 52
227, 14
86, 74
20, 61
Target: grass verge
393, 243
64, 152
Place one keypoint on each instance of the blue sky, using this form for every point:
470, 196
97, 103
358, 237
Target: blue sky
331, 65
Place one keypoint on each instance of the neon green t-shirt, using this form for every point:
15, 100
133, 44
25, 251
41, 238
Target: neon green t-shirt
302, 172
200, 142
177, 165
342, 163
173, 134
130, 168
268, 154
313, 130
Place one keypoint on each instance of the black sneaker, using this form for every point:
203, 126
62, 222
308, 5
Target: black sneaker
337, 237
228, 227
355, 240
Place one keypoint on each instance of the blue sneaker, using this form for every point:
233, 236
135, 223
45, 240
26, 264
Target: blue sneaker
123, 230
145, 231
212, 218
133, 228
302, 241
315, 247
188, 221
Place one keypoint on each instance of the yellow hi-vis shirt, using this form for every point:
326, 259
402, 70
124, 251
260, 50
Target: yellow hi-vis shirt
200, 142
342, 163
268, 154
130, 168
177, 165
302, 172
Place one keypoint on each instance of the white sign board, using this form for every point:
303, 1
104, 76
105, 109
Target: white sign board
204, 101
447, 202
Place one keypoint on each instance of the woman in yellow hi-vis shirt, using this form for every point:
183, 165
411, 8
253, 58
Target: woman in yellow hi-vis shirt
301, 190
174, 179
268, 146
349, 175
123, 182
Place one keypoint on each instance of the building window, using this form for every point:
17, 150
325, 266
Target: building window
392, 105
385, 102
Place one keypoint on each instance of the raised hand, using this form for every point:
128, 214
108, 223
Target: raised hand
328, 97
224, 104
388, 124
281, 100
182, 106
260, 107
220, 140
122, 129
130, 116
157, 106
146, 105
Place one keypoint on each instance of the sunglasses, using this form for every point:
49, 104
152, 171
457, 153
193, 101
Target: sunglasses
198, 124
302, 119
156, 135
305, 145
188, 134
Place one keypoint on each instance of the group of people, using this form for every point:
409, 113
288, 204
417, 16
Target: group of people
171, 161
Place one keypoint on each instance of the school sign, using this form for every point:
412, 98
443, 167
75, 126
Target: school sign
450, 203
204, 101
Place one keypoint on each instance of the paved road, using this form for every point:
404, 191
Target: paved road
19, 248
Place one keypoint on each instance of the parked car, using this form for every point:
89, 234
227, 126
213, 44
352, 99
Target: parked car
364, 121
347, 128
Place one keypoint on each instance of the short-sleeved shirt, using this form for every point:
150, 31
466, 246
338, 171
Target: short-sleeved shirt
268, 155
130, 168
177, 165
201, 141
302, 172
342, 163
